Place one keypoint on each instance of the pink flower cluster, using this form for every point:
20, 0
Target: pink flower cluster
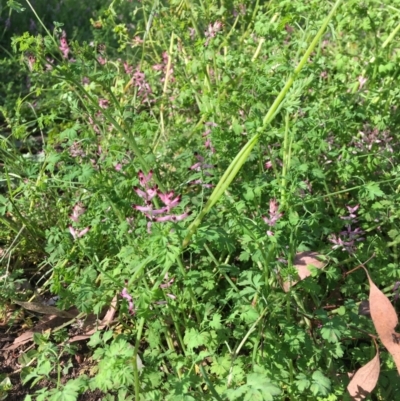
125, 294
64, 45
203, 167
373, 137
169, 200
77, 212
274, 215
347, 238
212, 31
163, 67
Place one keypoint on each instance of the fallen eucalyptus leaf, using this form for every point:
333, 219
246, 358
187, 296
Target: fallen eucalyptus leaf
385, 321
365, 379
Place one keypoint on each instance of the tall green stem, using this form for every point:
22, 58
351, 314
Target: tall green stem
244, 153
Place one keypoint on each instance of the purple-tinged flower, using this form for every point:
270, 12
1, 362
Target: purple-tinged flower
158, 67
352, 234
103, 103
208, 145
201, 166
346, 240
75, 150
369, 137
101, 60
77, 211
268, 164
49, 65
172, 217
128, 69
212, 31
274, 216
168, 282
125, 294
64, 45
118, 167
31, 61
144, 209
361, 80
137, 41
144, 179
148, 194
138, 78
192, 33
95, 127
200, 182
169, 200
78, 234
156, 212
351, 210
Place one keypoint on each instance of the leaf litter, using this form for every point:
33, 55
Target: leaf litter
385, 320
365, 379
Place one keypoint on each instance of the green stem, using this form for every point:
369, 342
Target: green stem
244, 153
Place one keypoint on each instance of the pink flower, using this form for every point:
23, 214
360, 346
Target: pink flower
212, 30
168, 283
274, 216
173, 217
361, 81
351, 215
128, 69
268, 164
77, 211
104, 103
144, 179
147, 195
137, 41
64, 45
78, 234
125, 294
168, 200
192, 33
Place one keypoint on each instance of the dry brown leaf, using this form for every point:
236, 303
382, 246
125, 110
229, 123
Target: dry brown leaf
44, 309
90, 323
385, 321
301, 261
365, 379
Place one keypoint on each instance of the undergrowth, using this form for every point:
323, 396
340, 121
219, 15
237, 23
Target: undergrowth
111, 161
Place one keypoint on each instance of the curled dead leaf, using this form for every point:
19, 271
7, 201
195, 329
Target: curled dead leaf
365, 379
44, 309
91, 326
301, 261
385, 321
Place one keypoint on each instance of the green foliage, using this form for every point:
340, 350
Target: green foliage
172, 92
